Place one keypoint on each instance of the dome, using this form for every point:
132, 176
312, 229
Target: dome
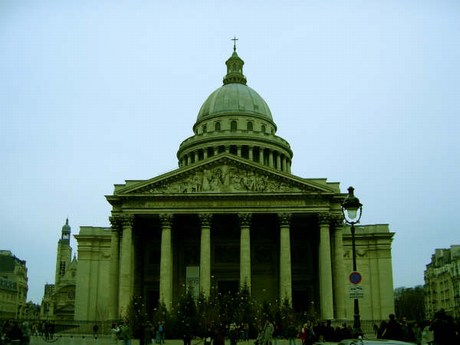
66, 227
234, 98
235, 119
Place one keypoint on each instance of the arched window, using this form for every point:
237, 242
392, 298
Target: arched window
250, 126
233, 126
263, 129
204, 128
217, 127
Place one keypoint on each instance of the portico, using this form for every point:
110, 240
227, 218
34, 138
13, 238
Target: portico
276, 243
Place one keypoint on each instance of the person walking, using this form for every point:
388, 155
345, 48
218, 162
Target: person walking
116, 333
268, 331
148, 333
307, 334
26, 333
393, 329
125, 333
443, 329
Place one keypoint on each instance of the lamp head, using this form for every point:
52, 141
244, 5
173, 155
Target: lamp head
352, 207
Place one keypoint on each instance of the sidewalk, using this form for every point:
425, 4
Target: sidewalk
67, 339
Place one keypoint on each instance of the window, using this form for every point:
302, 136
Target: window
263, 129
217, 127
233, 126
250, 126
204, 128
62, 268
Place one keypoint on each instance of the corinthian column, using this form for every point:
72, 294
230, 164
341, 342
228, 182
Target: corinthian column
285, 258
114, 267
166, 264
125, 292
205, 254
338, 269
325, 268
245, 250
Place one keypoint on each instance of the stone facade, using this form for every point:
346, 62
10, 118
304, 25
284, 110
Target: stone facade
231, 215
442, 282
13, 286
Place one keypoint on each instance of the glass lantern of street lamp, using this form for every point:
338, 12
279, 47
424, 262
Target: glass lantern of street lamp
351, 207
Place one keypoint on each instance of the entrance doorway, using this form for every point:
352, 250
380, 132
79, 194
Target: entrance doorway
228, 287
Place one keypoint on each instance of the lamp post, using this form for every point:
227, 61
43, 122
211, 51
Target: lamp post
352, 210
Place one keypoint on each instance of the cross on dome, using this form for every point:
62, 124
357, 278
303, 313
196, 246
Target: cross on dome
234, 39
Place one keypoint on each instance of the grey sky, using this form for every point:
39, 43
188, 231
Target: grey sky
95, 92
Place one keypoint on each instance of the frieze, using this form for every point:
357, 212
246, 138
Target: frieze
223, 179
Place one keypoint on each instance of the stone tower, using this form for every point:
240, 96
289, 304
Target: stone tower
64, 253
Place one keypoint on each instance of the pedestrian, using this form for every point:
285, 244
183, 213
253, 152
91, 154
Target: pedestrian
427, 334
307, 334
95, 330
187, 336
443, 329
160, 333
268, 331
291, 333
233, 333
417, 332
125, 333
393, 329
116, 333
26, 333
329, 332
381, 329
148, 333
219, 335
15, 333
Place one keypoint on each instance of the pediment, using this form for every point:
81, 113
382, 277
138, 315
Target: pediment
226, 174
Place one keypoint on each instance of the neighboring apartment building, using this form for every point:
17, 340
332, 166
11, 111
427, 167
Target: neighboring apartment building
442, 282
13, 285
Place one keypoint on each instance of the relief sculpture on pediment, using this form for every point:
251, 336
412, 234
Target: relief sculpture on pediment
223, 179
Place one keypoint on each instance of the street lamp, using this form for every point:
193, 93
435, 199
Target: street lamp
352, 210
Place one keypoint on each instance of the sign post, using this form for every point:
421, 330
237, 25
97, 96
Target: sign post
355, 290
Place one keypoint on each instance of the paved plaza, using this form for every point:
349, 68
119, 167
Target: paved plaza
107, 340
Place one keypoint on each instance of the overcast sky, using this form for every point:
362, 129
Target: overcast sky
95, 92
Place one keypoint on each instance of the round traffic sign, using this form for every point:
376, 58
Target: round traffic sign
355, 277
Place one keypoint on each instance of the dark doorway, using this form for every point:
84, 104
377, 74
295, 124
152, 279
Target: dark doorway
228, 287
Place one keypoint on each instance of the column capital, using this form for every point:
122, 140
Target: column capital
324, 218
337, 220
245, 219
127, 220
205, 219
166, 219
284, 218
116, 222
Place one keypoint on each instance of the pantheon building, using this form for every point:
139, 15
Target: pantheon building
231, 215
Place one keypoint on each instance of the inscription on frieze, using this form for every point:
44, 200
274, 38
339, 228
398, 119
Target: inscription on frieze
223, 179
